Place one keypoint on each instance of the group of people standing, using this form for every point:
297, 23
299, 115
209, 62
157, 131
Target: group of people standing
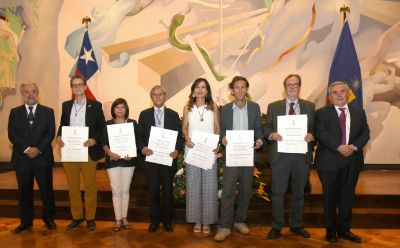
341, 131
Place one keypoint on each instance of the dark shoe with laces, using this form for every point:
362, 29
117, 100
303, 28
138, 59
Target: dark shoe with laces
350, 236
300, 231
274, 233
51, 225
91, 225
331, 237
22, 227
74, 224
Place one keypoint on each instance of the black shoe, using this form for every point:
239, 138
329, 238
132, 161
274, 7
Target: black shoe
331, 237
91, 225
274, 233
300, 231
22, 227
168, 227
51, 225
153, 227
74, 224
350, 236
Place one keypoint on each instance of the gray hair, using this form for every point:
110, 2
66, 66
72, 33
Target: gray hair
337, 83
24, 84
158, 87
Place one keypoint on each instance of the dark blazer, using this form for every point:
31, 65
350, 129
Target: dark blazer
253, 115
41, 135
94, 119
278, 108
329, 135
146, 121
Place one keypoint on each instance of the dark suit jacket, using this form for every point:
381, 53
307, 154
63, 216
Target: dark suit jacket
278, 108
94, 119
146, 120
253, 115
329, 135
41, 135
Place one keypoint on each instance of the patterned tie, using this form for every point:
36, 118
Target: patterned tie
342, 118
291, 109
31, 117
158, 117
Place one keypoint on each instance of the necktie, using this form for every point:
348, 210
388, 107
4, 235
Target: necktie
291, 109
158, 116
342, 118
31, 117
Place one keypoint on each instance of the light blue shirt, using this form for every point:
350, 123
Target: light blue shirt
240, 117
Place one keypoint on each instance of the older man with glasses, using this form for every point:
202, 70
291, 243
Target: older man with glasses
295, 166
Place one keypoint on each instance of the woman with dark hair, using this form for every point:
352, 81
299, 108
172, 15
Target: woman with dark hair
120, 169
200, 113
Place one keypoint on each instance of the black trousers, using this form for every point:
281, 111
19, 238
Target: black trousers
159, 175
339, 192
43, 174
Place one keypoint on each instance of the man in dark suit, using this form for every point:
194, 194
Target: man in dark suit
31, 130
240, 114
342, 132
82, 112
158, 174
289, 165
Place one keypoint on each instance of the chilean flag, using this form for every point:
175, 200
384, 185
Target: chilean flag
87, 64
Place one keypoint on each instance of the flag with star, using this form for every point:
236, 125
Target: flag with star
345, 67
87, 64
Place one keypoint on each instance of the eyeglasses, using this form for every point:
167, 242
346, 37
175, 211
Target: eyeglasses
293, 85
77, 86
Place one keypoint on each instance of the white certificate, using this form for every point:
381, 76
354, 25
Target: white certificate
162, 142
73, 149
202, 154
121, 138
293, 129
239, 150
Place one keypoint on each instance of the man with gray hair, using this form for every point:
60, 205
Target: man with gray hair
31, 129
342, 132
157, 174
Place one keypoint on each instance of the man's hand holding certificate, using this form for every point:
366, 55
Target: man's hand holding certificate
162, 143
293, 129
121, 138
239, 150
202, 154
73, 139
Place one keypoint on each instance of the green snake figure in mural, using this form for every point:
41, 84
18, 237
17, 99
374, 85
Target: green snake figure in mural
176, 22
